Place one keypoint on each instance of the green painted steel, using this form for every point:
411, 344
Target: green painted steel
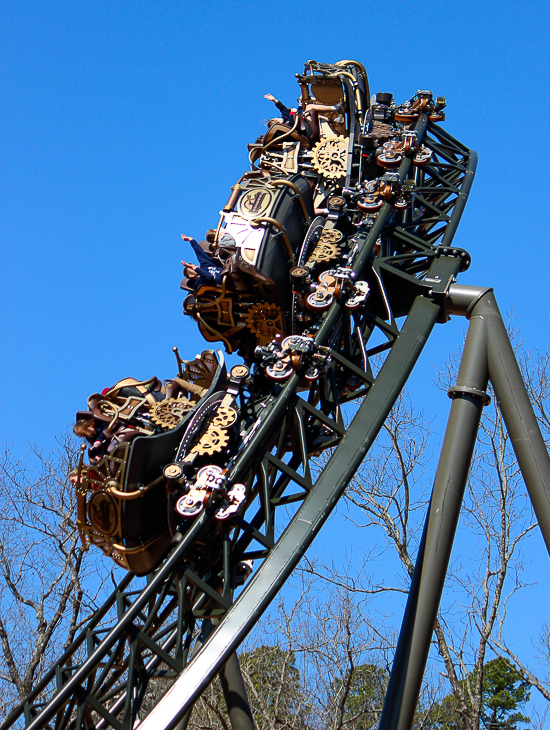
438, 536
308, 520
512, 396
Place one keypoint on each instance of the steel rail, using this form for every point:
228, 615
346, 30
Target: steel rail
318, 505
319, 501
79, 641
307, 521
366, 246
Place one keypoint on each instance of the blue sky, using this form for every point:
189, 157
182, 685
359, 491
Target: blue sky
125, 124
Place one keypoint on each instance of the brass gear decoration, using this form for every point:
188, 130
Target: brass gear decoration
324, 252
168, 413
212, 441
224, 417
264, 320
331, 235
329, 157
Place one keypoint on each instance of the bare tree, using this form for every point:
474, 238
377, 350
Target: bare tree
314, 663
47, 587
536, 371
337, 640
210, 712
273, 676
308, 667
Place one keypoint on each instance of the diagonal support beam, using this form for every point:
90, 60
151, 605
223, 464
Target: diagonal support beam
487, 353
234, 692
439, 530
512, 396
310, 517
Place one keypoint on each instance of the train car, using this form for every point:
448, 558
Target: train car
290, 247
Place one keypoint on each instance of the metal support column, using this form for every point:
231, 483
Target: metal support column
416, 633
308, 520
236, 699
512, 396
231, 679
207, 627
235, 695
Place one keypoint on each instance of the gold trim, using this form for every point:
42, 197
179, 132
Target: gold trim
296, 189
222, 217
215, 332
275, 165
349, 62
363, 72
257, 222
283, 136
133, 551
213, 303
136, 493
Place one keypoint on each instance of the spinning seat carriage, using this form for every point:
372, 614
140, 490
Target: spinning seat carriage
268, 214
267, 224
123, 505
292, 223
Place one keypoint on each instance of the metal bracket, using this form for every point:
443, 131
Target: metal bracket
466, 390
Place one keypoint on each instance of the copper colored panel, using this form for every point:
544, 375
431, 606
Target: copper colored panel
327, 94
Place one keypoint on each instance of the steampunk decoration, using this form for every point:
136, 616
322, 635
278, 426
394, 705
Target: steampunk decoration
339, 213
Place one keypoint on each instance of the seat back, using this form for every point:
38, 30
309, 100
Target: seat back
277, 131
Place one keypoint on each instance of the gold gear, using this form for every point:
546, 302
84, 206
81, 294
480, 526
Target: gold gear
331, 235
324, 252
264, 320
168, 413
329, 157
224, 417
212, 441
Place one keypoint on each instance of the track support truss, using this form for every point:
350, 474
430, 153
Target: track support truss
353, 332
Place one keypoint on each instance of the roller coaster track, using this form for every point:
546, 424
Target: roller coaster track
155, 634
